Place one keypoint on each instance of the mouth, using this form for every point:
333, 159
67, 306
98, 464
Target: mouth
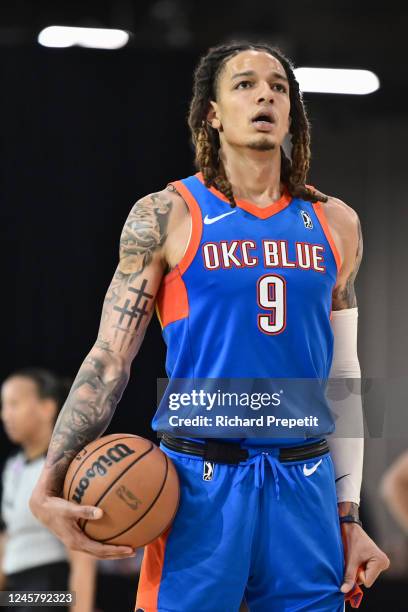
263, 120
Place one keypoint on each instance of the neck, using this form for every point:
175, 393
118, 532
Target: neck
38, 446
254, 175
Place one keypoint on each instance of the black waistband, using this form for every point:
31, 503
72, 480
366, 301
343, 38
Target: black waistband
232, 452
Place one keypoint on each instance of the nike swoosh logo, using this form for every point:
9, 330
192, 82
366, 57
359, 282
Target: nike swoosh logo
309, 471
208, 220
340, 477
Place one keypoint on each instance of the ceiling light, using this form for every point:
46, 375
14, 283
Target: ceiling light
95, 38
337, 80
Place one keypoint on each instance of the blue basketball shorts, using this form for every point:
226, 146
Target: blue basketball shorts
263, 530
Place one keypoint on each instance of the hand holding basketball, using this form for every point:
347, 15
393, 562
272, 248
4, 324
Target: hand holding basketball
121, 492
132, 481
61, 517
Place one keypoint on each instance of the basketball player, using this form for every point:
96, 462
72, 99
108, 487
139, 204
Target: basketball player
245, 266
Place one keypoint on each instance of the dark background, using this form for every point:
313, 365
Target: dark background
85, 133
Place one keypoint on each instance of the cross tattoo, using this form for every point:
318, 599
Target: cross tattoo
136, 309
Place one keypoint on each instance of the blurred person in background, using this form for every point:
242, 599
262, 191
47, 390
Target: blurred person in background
31, 557
394, 490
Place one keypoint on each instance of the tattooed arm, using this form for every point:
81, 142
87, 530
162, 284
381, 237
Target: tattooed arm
102, 378
127, 310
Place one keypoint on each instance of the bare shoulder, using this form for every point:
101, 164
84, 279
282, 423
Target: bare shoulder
341, 214
345, 227
180, 210
179, 228
166, 203
149, 227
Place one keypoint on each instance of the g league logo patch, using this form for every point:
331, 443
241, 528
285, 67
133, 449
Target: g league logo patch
208, 471
306, 219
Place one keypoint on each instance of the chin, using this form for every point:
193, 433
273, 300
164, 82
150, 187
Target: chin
262, 144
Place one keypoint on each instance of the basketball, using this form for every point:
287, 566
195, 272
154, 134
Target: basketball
132, 481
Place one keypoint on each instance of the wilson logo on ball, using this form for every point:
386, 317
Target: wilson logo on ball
100, 467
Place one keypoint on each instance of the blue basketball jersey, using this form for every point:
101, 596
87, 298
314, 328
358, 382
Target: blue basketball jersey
251, 297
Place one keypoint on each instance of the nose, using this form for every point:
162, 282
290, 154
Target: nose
265, 94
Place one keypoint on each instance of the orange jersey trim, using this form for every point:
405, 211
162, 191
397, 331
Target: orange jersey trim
261, 213
318, 207
151, 573
172, 300
196, 230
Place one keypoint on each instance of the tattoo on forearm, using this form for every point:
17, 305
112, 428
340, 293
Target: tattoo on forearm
88, 410
344, 296
127, 309
346, 508
103, 344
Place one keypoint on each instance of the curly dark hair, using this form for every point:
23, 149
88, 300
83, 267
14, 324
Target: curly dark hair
206, 139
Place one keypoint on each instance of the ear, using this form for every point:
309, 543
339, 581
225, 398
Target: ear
213, 116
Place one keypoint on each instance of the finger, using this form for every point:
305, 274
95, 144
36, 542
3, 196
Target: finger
69, 509
374, 568
90, 513
361, 575
349, 576
102, 551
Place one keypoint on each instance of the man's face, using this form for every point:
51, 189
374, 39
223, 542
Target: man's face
22, 411
252, 107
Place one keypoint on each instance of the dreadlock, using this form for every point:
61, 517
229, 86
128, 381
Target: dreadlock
206, 139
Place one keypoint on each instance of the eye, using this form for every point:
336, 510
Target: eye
244, 83
280, 87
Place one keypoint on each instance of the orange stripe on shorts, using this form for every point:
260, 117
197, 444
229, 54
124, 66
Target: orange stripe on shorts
151, 574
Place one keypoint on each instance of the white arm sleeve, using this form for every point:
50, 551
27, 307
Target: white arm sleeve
347, 452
